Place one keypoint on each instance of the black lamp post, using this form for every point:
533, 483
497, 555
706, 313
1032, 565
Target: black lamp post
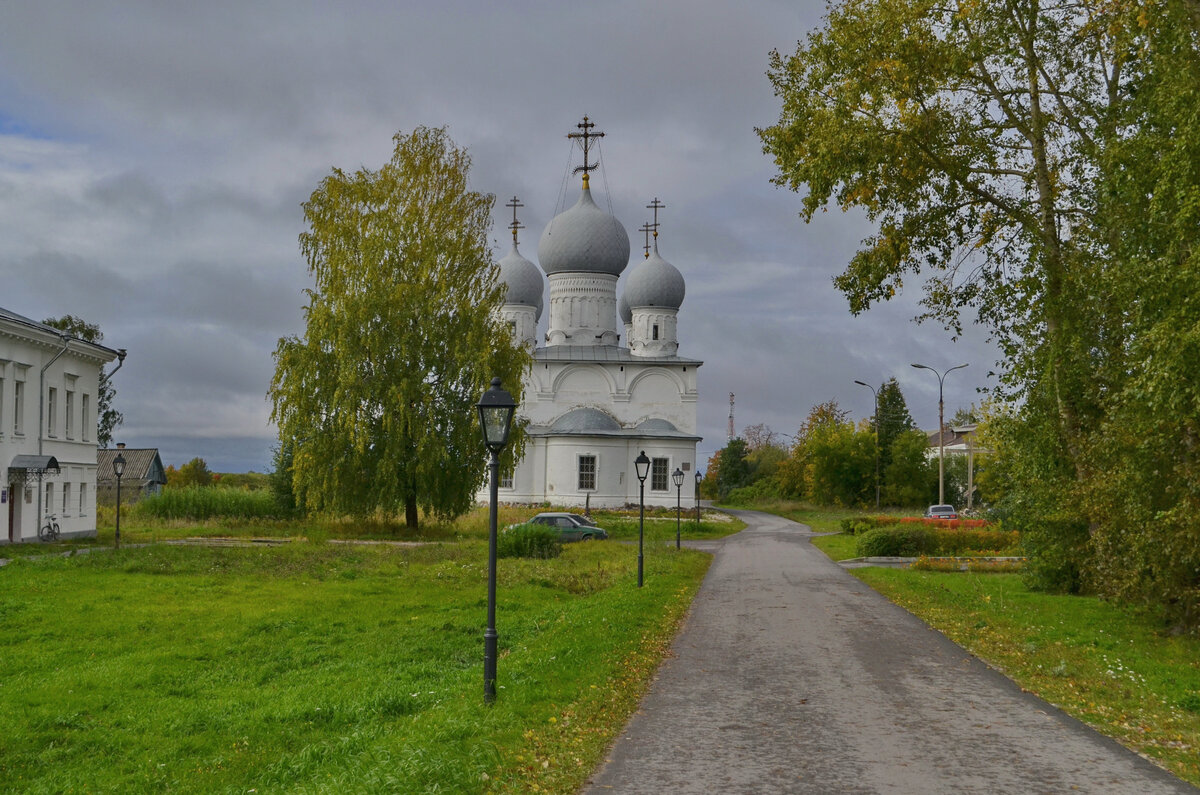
641, 465
941, 425
699, 477
118, 470
876, 394
677, 476
496, 409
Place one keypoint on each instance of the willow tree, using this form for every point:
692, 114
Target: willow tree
969, 133
376, 398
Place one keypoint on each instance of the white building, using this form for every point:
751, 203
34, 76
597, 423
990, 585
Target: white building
49, 382
599, 394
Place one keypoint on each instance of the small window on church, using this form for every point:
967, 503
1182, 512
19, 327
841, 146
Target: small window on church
587, 473
658, 474
506, 479
654, 332
512, 326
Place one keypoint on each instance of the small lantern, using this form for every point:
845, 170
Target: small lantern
496, 409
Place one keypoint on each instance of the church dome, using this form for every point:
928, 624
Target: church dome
583, 420
655, 282
523, 280
623, 310
584, 239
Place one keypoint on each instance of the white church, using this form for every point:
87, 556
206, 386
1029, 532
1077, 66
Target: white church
599, 392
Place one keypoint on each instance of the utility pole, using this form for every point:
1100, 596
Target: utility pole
941, 429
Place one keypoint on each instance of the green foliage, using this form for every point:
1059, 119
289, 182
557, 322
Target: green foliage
193, 473
377, 398
899, 541
733, 472
281, 478
108, 419
910, 479
201, 502
529, 541
915, 539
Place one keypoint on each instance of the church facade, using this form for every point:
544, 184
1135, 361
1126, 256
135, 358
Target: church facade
607, 381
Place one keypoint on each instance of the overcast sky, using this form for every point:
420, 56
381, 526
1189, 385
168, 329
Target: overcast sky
153, 158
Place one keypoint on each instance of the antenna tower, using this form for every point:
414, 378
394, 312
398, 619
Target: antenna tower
731, 432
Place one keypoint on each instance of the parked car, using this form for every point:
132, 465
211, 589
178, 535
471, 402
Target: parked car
941, 512
570, 526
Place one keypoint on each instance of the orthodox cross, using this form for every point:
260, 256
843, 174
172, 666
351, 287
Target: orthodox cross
647, 228
586, 137
655, 205
514, 226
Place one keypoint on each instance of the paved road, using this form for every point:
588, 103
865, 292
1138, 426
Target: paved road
791, 676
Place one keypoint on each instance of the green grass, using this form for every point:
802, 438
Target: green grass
313, 667
1108, 666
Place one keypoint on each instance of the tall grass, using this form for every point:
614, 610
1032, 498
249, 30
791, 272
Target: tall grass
200, 502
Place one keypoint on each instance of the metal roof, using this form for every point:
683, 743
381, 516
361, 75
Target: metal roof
604, 353
37, 463
140, 464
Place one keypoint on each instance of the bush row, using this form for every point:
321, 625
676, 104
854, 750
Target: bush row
856, 525
911, 540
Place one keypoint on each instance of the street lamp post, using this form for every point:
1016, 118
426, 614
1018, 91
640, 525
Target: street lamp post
677, 476
699, 477
941, 428
876, 394
641, 465
496, 409
118, 470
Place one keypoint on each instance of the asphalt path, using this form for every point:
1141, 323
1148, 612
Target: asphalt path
791, 676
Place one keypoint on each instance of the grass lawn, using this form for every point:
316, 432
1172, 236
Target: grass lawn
313, 667
1110, 667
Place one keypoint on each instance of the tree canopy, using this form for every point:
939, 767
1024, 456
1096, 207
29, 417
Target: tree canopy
375, 401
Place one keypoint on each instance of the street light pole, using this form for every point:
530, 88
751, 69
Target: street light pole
699, 477
641, 465
496, 409
876, 394
941, 428
677, 476
118, 470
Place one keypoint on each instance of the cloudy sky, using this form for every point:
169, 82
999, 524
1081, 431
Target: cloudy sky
153, 158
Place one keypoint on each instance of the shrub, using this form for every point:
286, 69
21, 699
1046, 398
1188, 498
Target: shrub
896, 541
529, 541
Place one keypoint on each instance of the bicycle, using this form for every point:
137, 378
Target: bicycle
49, 531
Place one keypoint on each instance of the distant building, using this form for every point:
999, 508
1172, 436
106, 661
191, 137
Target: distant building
595, 398
49, 382
144, 474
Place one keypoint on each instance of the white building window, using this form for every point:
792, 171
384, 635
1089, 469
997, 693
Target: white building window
85, 420
66, 500
18, 407
49, 504
506, 479
69, 407
51, 410
82, 499
658, 474
587, 473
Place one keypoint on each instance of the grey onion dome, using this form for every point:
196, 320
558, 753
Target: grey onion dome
655, 282
523, 280
584, 239
623, 310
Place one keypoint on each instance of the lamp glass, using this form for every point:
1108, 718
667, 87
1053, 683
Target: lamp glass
677, 476
642, 465
119, 465
496, 409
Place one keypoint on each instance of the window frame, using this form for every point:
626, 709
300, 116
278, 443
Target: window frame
656, 476
580, 473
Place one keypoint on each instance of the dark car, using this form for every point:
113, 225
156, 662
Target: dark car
570, 526
941, 512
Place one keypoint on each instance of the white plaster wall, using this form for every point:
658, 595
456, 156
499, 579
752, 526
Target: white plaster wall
583, 309
23, 357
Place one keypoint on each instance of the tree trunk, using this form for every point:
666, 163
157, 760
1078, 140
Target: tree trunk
410, 512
